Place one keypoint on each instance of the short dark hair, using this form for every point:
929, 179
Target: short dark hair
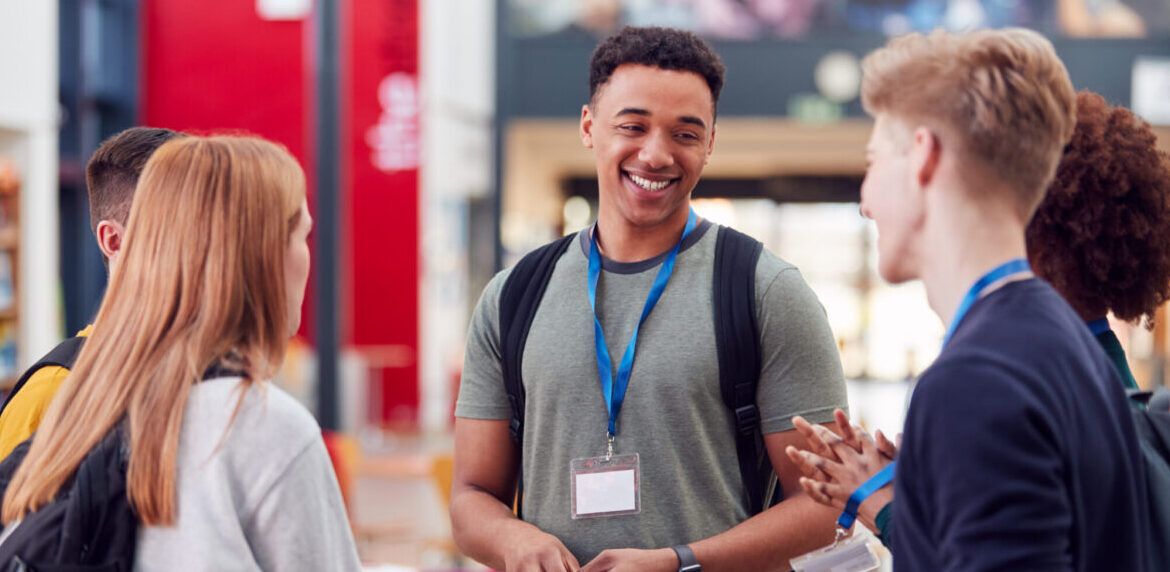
663, 48
112, 172
1102, 233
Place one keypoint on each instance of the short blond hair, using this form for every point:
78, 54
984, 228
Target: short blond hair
1002, 97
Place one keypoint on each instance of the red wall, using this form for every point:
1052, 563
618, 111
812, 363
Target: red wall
382, 144
215, 65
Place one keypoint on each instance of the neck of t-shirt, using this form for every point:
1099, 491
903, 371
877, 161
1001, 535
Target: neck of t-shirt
640, 266
622, 242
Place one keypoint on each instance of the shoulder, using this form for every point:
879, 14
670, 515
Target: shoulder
37, 392
779, 283
42, 384
771, 269
258, 414
22, 416
966, 375
491, 292
973, 394
525, 266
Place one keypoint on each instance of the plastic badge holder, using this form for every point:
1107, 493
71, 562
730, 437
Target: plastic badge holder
852, 555
605, 486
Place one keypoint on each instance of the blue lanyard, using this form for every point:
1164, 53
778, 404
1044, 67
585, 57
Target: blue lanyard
614, 391
1014, 266
1098, 326
879, 480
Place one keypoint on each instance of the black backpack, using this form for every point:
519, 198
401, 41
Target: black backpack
90, 525
736, 335
1151, 414
64, 355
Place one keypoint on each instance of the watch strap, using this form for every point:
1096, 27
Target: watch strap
686, 559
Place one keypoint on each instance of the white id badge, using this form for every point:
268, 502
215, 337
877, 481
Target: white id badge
850, 555
604, 486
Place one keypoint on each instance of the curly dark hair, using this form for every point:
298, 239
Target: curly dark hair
664, 48
1101, 236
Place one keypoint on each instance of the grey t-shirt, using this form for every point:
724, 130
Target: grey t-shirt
673, 416
256, 489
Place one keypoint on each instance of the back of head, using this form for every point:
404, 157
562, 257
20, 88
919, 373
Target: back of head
663, 48
1102, 234
211, 222
1001, 98
114, 169
202, 281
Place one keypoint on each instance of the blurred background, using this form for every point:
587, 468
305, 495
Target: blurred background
440, 142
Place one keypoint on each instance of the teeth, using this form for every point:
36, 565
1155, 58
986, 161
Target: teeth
648, 184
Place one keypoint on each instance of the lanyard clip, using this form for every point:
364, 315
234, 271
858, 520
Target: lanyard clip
609, 446
841, 534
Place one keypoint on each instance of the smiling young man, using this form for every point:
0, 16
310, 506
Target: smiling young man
630, 301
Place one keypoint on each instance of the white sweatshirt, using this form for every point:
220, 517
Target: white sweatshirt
263, 496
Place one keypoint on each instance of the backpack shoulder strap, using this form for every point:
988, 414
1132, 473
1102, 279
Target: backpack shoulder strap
519, 300
737, 340
64, 355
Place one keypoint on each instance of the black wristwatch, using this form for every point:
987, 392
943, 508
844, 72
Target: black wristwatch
686, 559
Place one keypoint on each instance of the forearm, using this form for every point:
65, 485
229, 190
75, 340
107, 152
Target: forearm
770, 539
483, 527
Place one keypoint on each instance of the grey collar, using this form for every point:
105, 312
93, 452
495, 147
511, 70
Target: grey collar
640, 265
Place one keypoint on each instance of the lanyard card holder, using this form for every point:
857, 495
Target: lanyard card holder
855, 554
605, 486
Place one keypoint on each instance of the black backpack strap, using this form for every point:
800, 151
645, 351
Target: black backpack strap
737, 340
64, 355
519, 300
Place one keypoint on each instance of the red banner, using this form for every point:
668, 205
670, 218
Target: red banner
218, 65
382, 105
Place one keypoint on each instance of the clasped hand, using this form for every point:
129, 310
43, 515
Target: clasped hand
836, 464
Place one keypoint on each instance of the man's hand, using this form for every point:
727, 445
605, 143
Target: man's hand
632, 560
837, 465
538, 551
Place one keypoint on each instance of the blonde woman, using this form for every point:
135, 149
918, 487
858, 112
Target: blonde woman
226, 472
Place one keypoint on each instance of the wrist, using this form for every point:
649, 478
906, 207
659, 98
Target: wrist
683, 558
868, 511
516, 533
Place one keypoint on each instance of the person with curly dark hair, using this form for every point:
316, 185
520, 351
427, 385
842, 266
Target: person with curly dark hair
1101, 237
1102, 234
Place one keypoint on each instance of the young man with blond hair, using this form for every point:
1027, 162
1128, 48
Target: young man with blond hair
1019, 451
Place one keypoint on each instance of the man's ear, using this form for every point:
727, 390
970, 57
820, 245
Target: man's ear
586, 126
925, 155
109, 237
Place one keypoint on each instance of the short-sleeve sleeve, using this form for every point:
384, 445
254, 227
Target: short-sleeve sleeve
481, 388
800, 367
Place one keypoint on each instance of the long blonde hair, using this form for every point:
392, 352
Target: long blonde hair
201, 279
